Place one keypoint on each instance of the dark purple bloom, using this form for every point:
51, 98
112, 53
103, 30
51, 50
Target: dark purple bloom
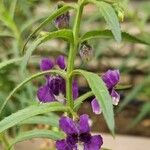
78, 132
95, 106
60, 61
46, 64
111, 79
62, 21
55, 87
75, 89
45, 94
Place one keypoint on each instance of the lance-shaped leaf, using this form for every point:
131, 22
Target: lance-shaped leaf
64, 34
61, 73
80, 100
9, 62
23, 136
52, 16
52, 120
110, 16
101, 93
108, 35
28, 112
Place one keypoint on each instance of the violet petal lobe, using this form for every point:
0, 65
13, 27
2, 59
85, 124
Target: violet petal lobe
62, 145
95, 106
111, 78
54, 84
63, 86
60, 61
75, 89
68, 125
83, 124
46, 64
115, 97
94, 144
45, 95
72, 139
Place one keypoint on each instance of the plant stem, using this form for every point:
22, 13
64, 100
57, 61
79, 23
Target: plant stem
5, 141
72, 54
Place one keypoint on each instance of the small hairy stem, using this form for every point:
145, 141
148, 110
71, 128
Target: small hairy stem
72, 54
5, 141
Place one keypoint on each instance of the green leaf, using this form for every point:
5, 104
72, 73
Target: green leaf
123, 87
102, 95
28, 112
37, 134
111, 18
9, 62
52, 16
80, 100
105, 149
108, 34
6, 34
64, 33
53, 120
60, 72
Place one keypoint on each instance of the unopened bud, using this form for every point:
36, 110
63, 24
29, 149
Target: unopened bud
86, 52
121, 15
120, 11
62, 21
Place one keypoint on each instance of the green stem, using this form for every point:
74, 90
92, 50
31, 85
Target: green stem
5, 141
72, 54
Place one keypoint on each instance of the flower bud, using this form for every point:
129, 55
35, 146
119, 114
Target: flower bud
62, 21
86, 52
120, 11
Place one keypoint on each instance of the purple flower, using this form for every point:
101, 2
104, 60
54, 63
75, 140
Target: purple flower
111, 79
46, 64
60, 61
45, 94
55, 86
78, 132
75, 89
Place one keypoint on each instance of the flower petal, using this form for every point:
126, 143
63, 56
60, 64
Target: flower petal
72, 139
68, 125
111, 78
46, 64
94, 144
83, 124
95, 106
54, 84
63, 86
115, 97
60, 61
45, 95
75, 89
62, 145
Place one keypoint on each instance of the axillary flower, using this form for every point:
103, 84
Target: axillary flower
78, 132
111, 79
55, 86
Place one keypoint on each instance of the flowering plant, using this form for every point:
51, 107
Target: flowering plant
60, 91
